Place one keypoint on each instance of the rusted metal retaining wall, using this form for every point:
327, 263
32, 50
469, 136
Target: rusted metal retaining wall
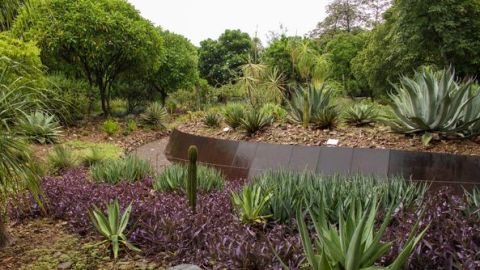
241, 159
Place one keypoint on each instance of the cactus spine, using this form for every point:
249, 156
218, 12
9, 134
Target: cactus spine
306, 107
192, 177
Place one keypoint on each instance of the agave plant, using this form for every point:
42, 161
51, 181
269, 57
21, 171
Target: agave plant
250, 203
361, 114
355, 244
233, 114
40, 127
155, 115
318, 108
435, 102
255, 121
112, 226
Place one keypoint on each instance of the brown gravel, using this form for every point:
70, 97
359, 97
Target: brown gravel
366, 137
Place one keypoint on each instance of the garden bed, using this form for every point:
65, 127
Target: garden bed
214, 237
366, 137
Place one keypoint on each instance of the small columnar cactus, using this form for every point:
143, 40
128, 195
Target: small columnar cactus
192, 177
306, 106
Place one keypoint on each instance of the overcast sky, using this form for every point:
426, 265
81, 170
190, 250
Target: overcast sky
201, 19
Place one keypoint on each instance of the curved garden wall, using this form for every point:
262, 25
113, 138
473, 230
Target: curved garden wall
246, 159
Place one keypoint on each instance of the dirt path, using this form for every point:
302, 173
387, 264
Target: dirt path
154, 153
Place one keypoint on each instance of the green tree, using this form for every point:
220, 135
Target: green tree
423, 32
179, 68
101, 39
220, 60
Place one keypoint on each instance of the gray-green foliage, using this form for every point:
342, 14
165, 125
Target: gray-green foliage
40, 127
334, 192
360, 114
233, 114
254, 121
355, 244
173, 178
320, 110
155, 116
61, 158
433, 101
212, 120
129, 169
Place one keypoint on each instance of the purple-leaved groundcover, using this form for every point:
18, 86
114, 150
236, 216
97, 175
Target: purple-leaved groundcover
164, 228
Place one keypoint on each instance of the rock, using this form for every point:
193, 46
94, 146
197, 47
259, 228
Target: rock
185, 267
65, 265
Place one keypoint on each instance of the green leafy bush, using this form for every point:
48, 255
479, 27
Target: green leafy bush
274, 110
254, 121
319, 108
40, 127
130, 127
334, 192
112, 226
155, 115
435, 102
61, 158
173, 178
110, 127
250, 202
233, 114
361, 114
114, 171
118, 107
211, 120
355, 244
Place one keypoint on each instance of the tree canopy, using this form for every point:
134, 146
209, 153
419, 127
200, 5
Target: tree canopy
99, 39
220, 60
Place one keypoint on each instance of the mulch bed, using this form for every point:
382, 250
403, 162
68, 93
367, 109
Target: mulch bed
366, 137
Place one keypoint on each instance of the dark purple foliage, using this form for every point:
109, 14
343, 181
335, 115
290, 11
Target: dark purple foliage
165, 228
452, 240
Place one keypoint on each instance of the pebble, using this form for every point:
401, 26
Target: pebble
185, 267
65, 265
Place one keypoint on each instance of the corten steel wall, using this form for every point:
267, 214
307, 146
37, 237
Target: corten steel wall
246, 159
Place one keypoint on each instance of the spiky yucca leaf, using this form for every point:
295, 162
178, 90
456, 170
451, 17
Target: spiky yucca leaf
155, 115
255, 121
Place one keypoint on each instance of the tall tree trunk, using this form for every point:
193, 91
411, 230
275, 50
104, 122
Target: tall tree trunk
3, 233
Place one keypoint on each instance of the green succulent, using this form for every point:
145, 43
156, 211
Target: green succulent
40, 127
314, 104
233, 114
361, 114
254, 121
155, 116
211, 120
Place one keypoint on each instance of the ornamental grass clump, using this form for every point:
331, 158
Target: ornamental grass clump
130, 169
434, 101
61, 158
212, 120
233, 114
173, 178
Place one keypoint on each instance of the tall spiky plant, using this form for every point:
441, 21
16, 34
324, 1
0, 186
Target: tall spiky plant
192, 177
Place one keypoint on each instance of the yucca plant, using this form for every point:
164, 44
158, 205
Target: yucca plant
433, 101
62, 158
250, 202
211, 120
233, 114
361, 114
355, 244
473, 202
40, 127
155, 115
254, 121
112, 226
313, 104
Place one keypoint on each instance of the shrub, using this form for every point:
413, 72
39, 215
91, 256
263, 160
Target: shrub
131, 126
435, 102
155, 115
354, 245
112, 226
361, 114
276, 111
250, 202
114, 171
173, 178
118, 107
313, 105
233, 114
110, 127
254, 121
334, 192
61, 158
211, 120
40, 127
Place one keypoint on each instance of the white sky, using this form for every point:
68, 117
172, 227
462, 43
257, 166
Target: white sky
201, 19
